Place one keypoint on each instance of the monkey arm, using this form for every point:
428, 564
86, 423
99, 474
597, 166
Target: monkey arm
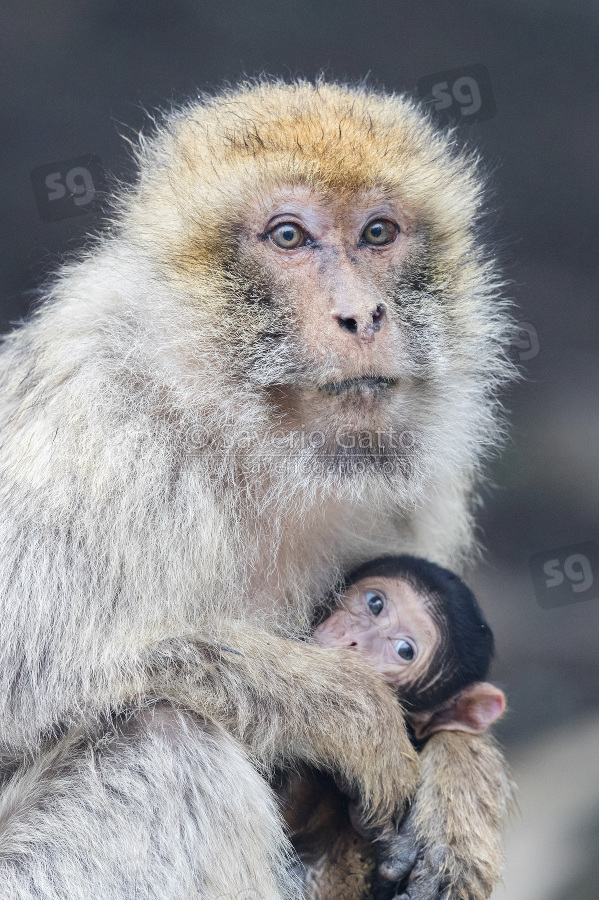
450, 842
284, 700
80, 641
287, 700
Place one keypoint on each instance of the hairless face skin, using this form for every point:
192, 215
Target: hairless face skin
389, 623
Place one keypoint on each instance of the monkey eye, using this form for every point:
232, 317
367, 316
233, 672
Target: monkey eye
288, 235
405, 649
375, 602
380, 232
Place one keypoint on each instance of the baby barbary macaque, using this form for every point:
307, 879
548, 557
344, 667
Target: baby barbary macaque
421, 628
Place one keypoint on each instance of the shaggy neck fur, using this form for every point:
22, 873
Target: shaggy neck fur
134, 505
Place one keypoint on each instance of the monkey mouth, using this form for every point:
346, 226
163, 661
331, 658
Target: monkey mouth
364, 385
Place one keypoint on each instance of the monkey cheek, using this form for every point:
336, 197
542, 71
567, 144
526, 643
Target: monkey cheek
326, 636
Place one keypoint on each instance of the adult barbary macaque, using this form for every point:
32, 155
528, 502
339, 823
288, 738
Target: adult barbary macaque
281, 356
421, 628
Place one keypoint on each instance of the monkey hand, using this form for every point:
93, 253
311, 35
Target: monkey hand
429, 871
449, 845
421, 872
360, 734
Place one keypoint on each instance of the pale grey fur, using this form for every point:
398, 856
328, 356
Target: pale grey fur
130, 556
105, 811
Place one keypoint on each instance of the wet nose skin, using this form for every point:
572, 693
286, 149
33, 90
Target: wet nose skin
334, 632
343, 642
356, 307
347, 643
361, 321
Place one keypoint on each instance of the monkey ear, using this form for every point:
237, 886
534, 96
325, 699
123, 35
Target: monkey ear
473, 710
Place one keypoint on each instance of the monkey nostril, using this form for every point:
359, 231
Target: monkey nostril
378, 317
348, 325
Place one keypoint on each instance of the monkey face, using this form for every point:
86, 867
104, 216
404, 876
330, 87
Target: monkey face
332, 262
334, 259
319, 245
332, 265
388, 622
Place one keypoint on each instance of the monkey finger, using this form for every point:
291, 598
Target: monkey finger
398, 859
427, 882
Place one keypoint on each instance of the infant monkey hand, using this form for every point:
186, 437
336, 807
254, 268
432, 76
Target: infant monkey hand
402, 859
422, 871
448, 847
429, 871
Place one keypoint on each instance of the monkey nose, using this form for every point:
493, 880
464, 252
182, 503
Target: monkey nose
363, 324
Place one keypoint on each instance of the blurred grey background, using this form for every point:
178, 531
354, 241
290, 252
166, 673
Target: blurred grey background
76, 75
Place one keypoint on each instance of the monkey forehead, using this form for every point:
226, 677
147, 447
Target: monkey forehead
208, 162
402, 597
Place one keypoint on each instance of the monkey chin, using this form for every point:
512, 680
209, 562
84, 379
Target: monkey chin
361, 451
355, 428
364, 465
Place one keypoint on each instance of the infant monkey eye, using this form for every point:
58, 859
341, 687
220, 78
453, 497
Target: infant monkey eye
375, 602
405, 650
380, 232
288, 235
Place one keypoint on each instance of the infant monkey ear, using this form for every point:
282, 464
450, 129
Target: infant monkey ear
473, 710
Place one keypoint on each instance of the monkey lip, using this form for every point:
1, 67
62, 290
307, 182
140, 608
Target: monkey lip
364, 384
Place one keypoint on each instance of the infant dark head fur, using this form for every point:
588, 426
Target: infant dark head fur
466, 646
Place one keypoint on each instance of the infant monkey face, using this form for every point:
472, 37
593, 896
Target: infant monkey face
389, 623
